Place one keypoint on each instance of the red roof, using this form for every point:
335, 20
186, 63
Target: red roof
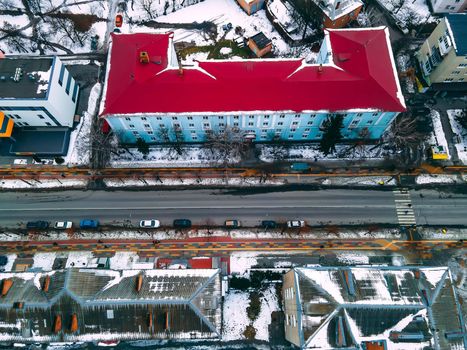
362, 76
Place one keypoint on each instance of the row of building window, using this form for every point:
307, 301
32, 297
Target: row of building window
282, 116
68, 83
291, 320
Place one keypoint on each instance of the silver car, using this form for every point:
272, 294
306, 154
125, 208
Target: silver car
63, 225
296, 223
149, 223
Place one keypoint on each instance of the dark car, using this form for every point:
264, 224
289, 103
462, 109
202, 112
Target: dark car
3, 260
420, 100
419, 110
87, 223
268, 224
182, 223
40, 224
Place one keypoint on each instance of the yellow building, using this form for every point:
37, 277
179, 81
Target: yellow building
443, 56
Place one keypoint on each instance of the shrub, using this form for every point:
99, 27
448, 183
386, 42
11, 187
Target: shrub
254, 308
250, 332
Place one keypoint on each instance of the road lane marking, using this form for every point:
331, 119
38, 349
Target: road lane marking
404, 211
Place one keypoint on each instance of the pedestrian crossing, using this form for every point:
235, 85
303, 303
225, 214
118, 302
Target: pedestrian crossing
404, 210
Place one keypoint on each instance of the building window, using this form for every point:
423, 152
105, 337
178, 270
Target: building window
235, 124
293, 130
206, 125
462, 65
62, 73
309, 123
191, 125
282, 116
290, 136
190, 118
305, 136
265, 123
24, 123
131, 125
150, 132
193, 131
221, 117
251, 117
144, 118
375, 114
126, 118
297, 115
312, 115
153, 138
47, 123
19, 123
294, 123
266, 116
41, 116
176, 125
369, 122
448, 79
194, 138
456, 72
147, 125
68, 84
17, 116
75, 92
278, 130
251, 124
174, 118
205, 118
158, 118
221, 124
280, 123
135, 133
307, 129
162, 126
359, 114
263, 137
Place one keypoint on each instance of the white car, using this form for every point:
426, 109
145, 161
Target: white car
63, 225
149, 223
295, 223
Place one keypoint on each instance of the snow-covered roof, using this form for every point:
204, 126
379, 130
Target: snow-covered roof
335, 9
361, 75
178, 302
396, 305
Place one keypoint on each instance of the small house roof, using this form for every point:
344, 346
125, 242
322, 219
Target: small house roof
261, 40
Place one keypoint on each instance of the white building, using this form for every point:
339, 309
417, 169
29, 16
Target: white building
449, 6
37, 92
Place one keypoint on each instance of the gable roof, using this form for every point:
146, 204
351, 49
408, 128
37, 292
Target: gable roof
361, 76
457, 25
345, 307
191, 296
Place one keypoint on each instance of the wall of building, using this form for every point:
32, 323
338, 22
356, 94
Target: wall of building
251, 7
262, 127
57, 109
289, 299
341, 21
449, 6
451, 68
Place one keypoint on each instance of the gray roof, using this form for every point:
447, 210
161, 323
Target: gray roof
31, 83
457, 22
363, 303
261, 40
187, 300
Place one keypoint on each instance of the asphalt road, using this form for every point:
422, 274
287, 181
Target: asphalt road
337, 206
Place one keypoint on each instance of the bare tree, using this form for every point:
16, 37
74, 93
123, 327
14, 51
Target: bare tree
173, 138
226, 145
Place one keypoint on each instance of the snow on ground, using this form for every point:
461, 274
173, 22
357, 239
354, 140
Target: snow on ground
242, 262
193, 181
460, 141
438, 138
56, 30
44, 261
403, 64
235, 317
59, 182
197, 56
123, 260
79, 152
427, 179
269, 303
168, 233
353, 258
11, 260
412, 12
451, 234
78, 259
222, 12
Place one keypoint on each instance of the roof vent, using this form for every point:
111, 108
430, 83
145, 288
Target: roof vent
6, 285
320, 68
3, 78
139, 282
18, 75
143, 57
31, 77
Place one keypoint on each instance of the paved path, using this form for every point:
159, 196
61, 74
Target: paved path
212, 246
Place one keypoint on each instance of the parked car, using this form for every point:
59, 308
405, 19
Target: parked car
232, 223
268, 224
40, 224
420, 110
149, 223
182, 223
420, 100
295, 223
87, 223
63, 225
3, 260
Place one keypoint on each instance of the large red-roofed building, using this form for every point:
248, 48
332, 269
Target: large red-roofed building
263, 99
